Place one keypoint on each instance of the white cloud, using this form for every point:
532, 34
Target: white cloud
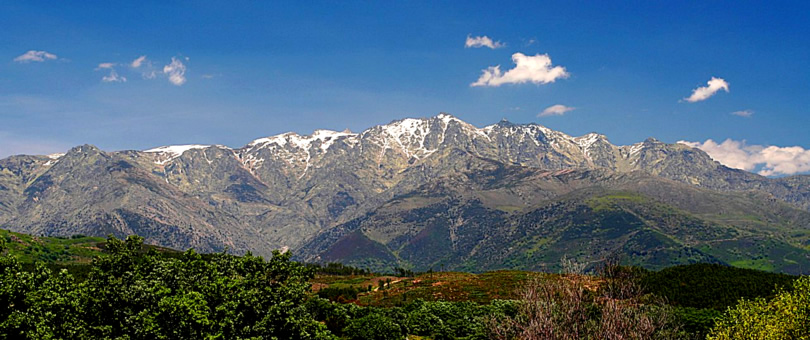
38, 56
771, 160
555, 110
138, 62
744, 113
536, 69
145, 67
113, 77
482, 41
703, 93
176, 71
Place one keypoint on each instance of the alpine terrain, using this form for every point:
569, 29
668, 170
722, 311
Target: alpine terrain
422, 193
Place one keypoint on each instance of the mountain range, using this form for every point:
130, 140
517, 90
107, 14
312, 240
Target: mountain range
422, 193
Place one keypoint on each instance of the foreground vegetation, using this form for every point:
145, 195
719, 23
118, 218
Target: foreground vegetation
131, 291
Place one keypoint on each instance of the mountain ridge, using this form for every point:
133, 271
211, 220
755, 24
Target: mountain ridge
284, 190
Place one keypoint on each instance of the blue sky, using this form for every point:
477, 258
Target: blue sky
254, 69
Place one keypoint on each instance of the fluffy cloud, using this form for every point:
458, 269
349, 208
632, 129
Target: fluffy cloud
176, 72
105, 66
138, 62
482, 41
703, 93
744, 113
38, 56
771, 160
555, 110
536, 69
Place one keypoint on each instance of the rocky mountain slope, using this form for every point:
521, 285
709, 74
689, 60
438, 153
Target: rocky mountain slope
487, 221
283, 191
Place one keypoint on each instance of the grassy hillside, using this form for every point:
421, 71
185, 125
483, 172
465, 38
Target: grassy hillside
73, 250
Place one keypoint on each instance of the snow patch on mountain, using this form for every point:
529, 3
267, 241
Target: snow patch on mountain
326, 138
585, 142
170, 152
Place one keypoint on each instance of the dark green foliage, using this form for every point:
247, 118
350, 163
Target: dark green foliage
129, 294
454, 320
375, 326
434, 319
697, 322
711, 285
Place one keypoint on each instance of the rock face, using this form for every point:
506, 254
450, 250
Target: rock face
289, 191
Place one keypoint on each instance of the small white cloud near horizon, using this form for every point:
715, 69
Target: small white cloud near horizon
176, 72
702, 93
145, 67
113, 77
556, 110
744, 113
772, 160
35, 56
536, 69
482, 41
138, 62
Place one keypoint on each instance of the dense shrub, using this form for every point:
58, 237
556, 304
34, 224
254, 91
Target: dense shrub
697, 321
434, 319
339, 294
785, 316
375, 326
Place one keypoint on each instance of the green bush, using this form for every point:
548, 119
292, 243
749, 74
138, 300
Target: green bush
785, 316
374, 326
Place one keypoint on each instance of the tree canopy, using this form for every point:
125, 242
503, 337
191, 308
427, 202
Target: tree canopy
129, 294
